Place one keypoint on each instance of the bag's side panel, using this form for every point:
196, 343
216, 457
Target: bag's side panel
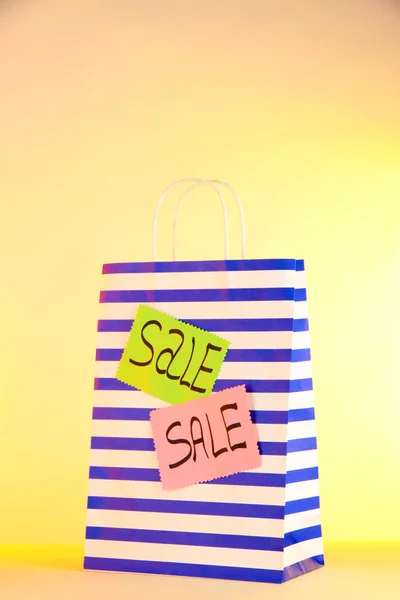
303, 549
231, 528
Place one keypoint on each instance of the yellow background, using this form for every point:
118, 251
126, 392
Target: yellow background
102, 105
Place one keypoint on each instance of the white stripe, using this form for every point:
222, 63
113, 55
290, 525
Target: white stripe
271, 464
142, 429
302, 550
250, 309
125, 429
202, 280
300, 279
301, 490
300, 339
300, 429
106, 369
184, 522
233, 494
302, 460
126, 399
308, 518
301, 400
228, 557
257, 401
231, 370
299, 370
238, 339
123, 458
148, 460
300, 310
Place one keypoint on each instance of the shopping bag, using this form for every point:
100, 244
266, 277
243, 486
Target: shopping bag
258, 525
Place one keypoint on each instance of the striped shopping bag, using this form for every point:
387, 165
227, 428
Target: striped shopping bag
261, 525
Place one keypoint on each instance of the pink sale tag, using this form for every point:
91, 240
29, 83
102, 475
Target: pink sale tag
204, 439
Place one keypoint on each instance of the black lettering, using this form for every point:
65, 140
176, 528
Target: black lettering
146, 343
172, 354
203, 368
190, 360
221, 450
199, 440
179, 441
233, 426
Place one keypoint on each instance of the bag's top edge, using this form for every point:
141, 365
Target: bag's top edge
187, 266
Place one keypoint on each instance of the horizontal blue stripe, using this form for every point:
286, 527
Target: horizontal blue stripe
117, 443
233, 355
124, 474
296, 506
273, 448
245, 325
269, 479
262, 386
276, 417
302, 444
249, 478
121, 414
259, 386
109, 354
147, 444
301, 414
142, 474
302, 535
112, 384
300, 295
283, 417
300, 325
188, 507
308, 474
119, 325
189, 266
186, 570
273, 355
185, 538
196, 295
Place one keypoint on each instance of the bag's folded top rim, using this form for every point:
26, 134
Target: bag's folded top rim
252, 264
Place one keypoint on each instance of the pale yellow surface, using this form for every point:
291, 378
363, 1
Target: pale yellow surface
102, 105
354, 572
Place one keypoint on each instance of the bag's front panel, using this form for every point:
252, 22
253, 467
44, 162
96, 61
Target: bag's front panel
230, 528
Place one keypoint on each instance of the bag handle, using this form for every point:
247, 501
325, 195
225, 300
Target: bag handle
197, 181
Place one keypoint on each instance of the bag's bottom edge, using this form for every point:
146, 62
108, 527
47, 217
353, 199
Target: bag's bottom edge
143, 567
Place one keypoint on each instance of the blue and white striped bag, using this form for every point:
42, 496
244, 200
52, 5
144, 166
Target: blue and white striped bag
261, 525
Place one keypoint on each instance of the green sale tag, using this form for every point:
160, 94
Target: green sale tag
169, 359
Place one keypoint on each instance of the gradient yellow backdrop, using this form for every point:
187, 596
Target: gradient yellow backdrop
102, 105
